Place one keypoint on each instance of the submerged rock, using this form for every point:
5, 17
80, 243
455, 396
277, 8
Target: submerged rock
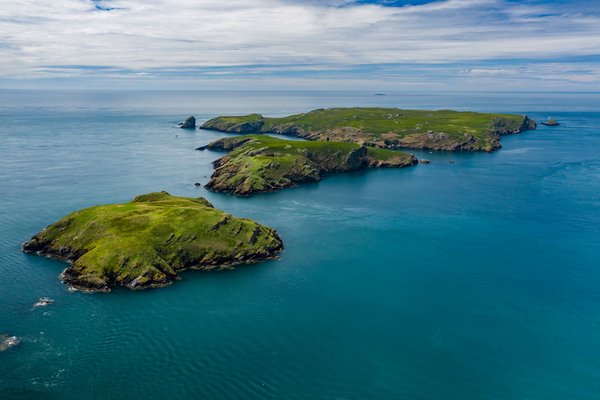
189, 123
424, 161
43, 302
7, 341
148, 241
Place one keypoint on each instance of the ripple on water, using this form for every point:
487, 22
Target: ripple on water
283, 329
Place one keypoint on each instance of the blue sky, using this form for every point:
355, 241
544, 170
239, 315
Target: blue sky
539, 45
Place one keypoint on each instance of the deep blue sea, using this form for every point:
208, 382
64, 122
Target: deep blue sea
478, 279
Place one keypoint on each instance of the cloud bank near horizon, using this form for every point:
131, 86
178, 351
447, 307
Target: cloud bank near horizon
452, 44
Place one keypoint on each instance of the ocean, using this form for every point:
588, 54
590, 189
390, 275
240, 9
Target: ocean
477, 279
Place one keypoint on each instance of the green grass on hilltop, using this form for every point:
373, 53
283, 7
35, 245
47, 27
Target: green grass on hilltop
386, 127
146, 241
378, 120
260, 163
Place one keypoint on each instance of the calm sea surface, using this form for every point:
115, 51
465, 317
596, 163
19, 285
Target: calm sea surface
478, 279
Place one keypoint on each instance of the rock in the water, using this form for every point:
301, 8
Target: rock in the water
550, 122
197, 184
189, 123
424, 161
7, 341
43, 302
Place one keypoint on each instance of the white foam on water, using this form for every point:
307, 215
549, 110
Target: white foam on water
6, 342
43, 302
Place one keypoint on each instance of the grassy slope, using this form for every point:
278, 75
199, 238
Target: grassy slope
381, 120
145, 242
263, 163
386, 127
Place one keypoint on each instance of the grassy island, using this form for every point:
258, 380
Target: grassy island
146, 242
386, 127
261, 163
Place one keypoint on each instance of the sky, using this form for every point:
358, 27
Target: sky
533, 45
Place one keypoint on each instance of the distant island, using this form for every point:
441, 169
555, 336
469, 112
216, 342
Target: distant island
390, 128
146, 242
261, 163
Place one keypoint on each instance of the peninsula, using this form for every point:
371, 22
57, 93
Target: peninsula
146, 242
390, 128
261, 163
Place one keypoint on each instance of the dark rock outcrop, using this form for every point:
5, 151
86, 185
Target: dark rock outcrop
550, 122
189, 123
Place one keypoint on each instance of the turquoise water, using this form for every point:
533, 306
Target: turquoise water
473, 280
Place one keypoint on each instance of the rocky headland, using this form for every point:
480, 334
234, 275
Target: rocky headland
261, 163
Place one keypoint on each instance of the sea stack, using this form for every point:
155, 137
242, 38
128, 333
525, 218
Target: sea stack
189, 123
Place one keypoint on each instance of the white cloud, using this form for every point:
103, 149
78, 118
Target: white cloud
138, 35
492, 71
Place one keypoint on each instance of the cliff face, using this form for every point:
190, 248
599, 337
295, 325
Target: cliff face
146, 242
263, 163
387, 127
251, 123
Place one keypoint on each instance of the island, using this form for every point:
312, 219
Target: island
261, 163
390, 128
146, 242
